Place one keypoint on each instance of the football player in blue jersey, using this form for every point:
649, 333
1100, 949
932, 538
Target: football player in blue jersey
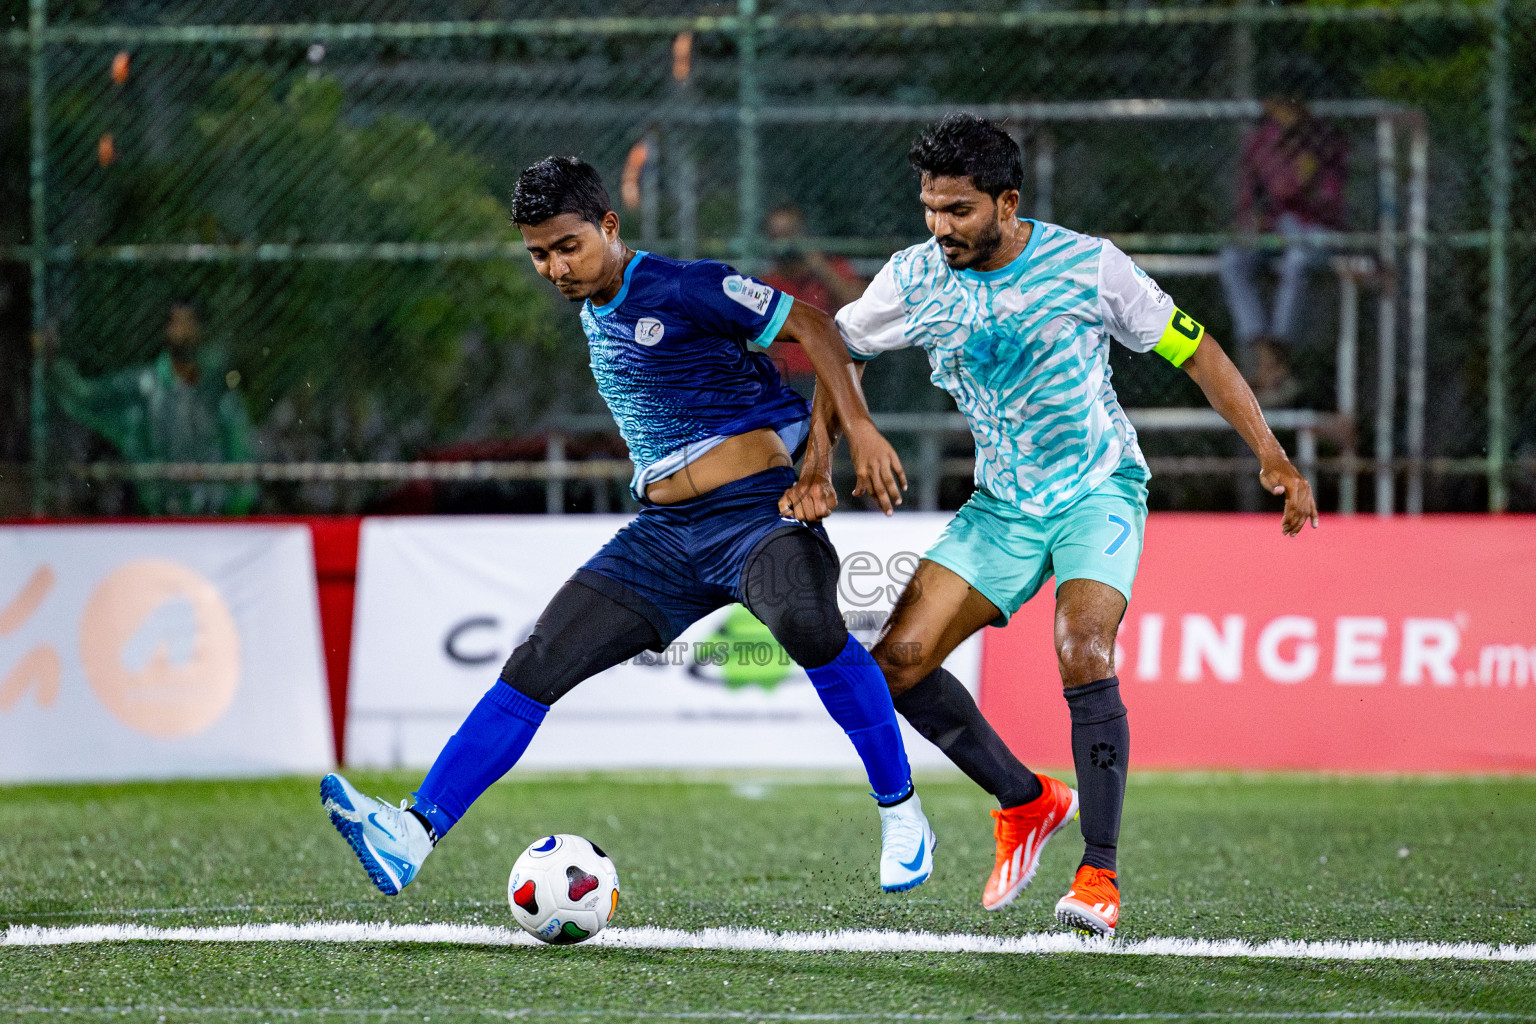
1016, 317
677, 350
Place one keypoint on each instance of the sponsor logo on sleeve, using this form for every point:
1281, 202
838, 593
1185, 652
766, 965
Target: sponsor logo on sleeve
755, 295
648, 331
1150, 286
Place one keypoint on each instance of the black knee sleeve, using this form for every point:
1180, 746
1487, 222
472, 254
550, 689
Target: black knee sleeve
580, 633
790, 583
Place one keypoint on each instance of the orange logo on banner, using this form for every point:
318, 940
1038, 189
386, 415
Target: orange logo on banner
40, 666
160, 697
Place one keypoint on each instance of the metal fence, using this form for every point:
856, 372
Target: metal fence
329, 198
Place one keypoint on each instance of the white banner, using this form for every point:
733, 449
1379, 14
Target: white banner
442, 602
159, 651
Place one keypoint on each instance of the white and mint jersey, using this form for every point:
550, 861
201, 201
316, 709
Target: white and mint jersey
1024, 350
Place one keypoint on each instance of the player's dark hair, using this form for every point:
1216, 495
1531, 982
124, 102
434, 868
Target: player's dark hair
967, 146
556, 185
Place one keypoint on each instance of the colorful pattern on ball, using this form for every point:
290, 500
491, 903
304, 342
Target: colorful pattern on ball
563, 889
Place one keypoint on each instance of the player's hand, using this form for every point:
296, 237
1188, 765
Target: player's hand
1300, 507
811, 499
877, 465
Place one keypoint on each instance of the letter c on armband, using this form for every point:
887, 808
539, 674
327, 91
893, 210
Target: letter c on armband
1180, 338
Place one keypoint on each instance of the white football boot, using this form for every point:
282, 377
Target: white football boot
906, 846
390, 841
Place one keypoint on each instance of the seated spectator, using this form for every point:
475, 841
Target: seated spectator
827, 282
1291, 182
183, 407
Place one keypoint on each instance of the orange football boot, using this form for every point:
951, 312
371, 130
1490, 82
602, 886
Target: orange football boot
1021, 834
1092, 905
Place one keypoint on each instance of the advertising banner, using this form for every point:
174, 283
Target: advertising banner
442, 602
1366, 645
159, 651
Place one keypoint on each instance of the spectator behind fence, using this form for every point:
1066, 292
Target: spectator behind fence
183, 407
827, 282
1291, 182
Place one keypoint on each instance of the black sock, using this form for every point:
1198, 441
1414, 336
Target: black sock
944, 713
1099, 856
425, 823
1101, 750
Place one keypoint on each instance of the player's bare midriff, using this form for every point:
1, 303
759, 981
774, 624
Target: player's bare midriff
731, 459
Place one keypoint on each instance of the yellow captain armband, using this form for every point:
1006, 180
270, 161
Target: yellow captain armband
1180, 338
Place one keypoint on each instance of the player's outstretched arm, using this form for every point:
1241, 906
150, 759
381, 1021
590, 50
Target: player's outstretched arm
812, 498
1230, 395
875, 462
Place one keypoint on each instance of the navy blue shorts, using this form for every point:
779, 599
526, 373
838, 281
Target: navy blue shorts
677, 563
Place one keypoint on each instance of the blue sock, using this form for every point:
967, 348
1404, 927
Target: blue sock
853, 690
484, 749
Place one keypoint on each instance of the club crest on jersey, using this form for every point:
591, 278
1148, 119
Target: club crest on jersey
753, 294
648, 331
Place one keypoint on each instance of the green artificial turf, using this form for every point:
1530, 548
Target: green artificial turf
1205, 856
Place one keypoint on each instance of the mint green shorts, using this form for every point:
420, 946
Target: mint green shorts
1007, 555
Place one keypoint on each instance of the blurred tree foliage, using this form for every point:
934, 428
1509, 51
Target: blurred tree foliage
373, 141
344, 358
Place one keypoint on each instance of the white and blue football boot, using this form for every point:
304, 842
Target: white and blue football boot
390, 841
906, 846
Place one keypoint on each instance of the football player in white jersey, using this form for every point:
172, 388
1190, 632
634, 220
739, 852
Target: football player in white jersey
1016, 317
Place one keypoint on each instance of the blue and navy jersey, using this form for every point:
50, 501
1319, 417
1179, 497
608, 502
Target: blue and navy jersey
678, 357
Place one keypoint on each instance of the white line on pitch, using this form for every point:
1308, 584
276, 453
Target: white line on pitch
1043, 1017
786, 942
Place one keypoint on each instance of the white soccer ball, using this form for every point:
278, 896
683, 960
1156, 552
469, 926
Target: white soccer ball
563, 889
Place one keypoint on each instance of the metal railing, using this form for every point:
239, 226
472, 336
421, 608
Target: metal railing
925, 473
707, 137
